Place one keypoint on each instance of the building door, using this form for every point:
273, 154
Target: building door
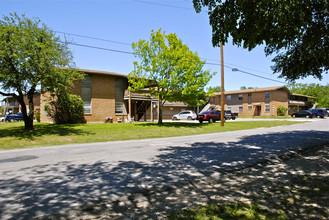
258, 110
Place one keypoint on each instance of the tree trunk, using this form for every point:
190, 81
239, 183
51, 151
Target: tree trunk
28, 121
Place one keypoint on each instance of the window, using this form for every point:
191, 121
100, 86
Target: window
249, 107
267, 97
120, 86
240, 96
240, 108
229, 98
267, 108
249, 98
86, 94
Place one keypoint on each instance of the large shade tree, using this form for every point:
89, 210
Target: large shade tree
295, 30
31, 55
175, 72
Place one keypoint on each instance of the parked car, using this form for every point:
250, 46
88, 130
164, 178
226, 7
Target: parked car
230, 115
319, 113
14, 117
303, 113
185, 115
210, 116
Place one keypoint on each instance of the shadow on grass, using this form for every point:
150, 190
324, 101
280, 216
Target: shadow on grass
41, 130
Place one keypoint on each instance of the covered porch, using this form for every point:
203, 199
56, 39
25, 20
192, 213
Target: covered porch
141, 106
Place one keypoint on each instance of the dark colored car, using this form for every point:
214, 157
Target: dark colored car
14, 117
303, 113
319, 113
210, 116
230, 115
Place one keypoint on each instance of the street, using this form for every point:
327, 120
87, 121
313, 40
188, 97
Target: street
41, 182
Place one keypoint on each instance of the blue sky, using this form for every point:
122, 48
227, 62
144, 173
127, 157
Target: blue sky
127, 21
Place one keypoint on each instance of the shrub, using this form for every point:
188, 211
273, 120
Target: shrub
37, 116
282, 110
66, 108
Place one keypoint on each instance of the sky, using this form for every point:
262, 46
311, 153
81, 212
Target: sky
121, 22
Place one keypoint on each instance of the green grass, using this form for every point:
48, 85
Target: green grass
229, 211
13, 135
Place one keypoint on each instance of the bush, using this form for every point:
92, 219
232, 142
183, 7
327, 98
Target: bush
37, 116
66, 108
282, 110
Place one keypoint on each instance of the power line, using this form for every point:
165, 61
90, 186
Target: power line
160, 4
251, 74
99, 48
131, 53
129, 44
94, 38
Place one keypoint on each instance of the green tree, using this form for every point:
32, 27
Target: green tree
319, 91
30, 56
214, 89
295, 30
177, 72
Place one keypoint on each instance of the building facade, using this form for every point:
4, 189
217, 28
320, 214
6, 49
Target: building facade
261, 101
105, 94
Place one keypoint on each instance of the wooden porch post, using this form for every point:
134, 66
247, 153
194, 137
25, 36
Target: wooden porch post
129, 106
152, 119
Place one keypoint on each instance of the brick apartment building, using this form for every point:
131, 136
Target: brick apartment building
262, 101
105, 94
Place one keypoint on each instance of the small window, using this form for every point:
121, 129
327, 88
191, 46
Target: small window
249, 107
86, 94
240, 108
267, 108
240, 96
267, 95
229, 98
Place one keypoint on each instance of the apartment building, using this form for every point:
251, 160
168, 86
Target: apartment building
262, 101
105, 94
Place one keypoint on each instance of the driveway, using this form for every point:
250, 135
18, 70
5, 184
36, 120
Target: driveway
68, 180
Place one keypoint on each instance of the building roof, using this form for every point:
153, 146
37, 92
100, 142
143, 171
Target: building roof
265, 89
102, 72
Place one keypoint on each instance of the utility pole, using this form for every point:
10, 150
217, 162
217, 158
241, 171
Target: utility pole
222, 85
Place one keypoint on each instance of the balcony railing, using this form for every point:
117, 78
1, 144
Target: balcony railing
295, 102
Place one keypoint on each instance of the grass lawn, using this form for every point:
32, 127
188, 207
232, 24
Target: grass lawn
13, 135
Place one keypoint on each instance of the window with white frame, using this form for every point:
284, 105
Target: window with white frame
86, 94
240, 96
267, 108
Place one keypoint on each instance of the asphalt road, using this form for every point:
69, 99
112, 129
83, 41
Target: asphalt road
40, 182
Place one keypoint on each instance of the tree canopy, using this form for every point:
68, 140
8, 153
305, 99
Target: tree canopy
177, 72
321, 92
295, 30
30, 56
